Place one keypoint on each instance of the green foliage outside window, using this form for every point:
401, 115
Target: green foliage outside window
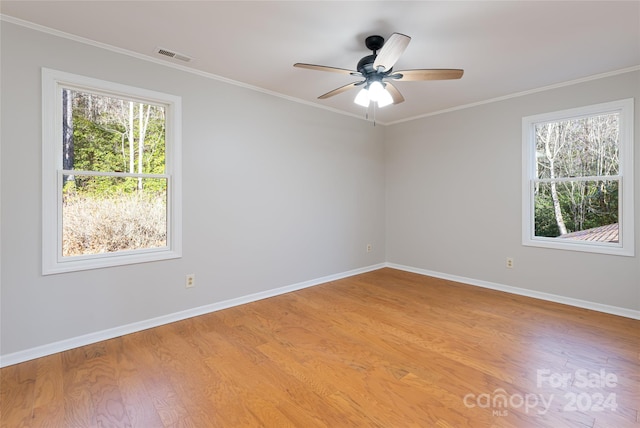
598, 206
107, 136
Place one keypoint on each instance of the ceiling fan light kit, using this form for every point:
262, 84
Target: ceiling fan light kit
377, 67
374, 92
362, 99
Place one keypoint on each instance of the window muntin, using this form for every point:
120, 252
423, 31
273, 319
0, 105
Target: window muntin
111, 174
578, 178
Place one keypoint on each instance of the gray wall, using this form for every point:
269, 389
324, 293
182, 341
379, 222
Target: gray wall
454, 198
275, 193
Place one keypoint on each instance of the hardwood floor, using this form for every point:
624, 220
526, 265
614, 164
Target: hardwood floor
382, 349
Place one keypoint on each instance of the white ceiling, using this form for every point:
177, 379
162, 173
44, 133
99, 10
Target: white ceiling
505, 47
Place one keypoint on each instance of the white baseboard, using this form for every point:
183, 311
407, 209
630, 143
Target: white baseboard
87, 339
614, 310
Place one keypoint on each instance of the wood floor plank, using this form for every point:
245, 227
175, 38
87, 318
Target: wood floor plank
152, 359
17, 386
104, 386
48, 406
78, 404
131, 375
382, 349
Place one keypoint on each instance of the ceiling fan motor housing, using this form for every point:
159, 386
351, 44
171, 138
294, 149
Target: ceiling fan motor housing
365, 65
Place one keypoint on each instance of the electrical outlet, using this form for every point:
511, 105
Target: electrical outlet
369, 248
190, 280
509, 262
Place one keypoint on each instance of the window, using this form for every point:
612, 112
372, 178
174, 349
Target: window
578, 179
111, 183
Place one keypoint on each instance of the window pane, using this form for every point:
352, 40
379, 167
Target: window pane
577, 210
109, 134
585, 147
110, 214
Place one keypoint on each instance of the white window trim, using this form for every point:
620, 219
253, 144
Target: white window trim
625, 246
52, 261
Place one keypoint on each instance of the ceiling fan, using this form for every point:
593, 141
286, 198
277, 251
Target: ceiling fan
377, 71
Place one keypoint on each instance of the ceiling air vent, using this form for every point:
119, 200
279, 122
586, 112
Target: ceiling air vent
171, 54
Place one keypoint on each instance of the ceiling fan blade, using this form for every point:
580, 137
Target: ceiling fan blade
325, 68
395, 93
426, 74
339, 90
391, 51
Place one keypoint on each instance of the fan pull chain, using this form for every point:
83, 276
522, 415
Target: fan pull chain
366, 113
374, 113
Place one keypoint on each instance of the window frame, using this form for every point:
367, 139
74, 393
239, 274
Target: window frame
53, 262
625, 246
